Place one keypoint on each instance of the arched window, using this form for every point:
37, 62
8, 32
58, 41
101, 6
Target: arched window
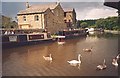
36, 18
24, 18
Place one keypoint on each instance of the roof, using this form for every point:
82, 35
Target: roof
115, 4
37, 8
60, 36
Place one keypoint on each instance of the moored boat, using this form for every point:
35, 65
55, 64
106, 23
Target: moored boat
60, 39
13, 40
73, 33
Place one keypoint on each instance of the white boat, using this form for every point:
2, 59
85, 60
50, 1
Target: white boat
61, 39
90, 30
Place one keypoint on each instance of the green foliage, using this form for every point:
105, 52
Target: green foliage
110, 23
83, 24
8, 23
89, 22
93, 26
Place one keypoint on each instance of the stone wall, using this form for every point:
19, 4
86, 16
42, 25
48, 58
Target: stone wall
30, 22
52, 20
70, 17
55, 20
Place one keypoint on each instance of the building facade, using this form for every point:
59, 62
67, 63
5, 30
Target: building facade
50, 17
70, 17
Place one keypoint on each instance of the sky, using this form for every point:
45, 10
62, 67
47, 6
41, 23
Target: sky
84, 10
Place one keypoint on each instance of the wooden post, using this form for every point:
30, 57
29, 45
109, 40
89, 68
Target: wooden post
119, 36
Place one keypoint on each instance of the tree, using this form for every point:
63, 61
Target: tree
7, 22
84, 25
100, 23
110, 23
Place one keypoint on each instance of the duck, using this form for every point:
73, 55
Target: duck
114, 62
48, 58
87, 50
102, 66
75, 62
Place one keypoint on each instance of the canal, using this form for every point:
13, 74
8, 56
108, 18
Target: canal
29, 61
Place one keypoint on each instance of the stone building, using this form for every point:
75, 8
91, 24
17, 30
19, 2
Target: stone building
70, 17
44, 16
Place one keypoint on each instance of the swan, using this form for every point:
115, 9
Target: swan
114, 62
102, 66
75, 62
87, 50
118, 56
48, 58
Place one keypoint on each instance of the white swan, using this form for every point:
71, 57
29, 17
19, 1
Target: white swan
48, 58
114, 62
75, 62
118, 56
102, 66
87, 50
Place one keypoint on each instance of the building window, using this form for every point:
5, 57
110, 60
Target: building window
36, 18
69, 21
65, 21
64, 14
53, 20
24, 18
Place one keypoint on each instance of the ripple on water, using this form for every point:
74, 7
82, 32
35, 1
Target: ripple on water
28, 60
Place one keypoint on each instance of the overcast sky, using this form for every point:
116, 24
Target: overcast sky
84, 10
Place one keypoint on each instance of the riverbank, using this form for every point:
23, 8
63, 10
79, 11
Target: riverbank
112, 31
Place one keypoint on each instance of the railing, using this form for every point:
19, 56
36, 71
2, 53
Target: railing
20, 31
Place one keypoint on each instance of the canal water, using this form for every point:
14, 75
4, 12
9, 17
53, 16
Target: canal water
29, 61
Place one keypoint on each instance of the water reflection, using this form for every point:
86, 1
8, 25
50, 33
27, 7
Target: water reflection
29, 61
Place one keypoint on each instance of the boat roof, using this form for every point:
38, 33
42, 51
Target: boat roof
60, 36
112, 3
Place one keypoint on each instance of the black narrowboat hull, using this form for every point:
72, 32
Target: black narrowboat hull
73, 34
17, 44
10, 41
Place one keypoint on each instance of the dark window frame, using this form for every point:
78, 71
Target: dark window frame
24, 18
36, 17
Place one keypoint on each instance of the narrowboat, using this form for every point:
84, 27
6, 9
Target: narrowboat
12, 40
73, 33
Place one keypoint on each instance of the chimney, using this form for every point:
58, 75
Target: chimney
27, 5
58, 2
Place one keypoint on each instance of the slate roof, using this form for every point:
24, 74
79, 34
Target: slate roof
37, 8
